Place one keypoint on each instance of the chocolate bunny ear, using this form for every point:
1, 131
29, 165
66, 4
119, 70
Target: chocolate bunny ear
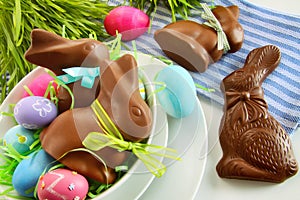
264, 59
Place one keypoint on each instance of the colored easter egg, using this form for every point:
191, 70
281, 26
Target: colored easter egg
142, 89
129, 21
179, 96
62, 184
35, 112
39, 85
28, 171
20, 138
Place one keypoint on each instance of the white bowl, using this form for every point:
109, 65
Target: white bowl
137, 179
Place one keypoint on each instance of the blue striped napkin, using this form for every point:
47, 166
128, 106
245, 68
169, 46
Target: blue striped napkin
262, 26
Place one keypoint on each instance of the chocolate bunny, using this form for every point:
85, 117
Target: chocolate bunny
119, 96
254, 144
57, 53
194, 46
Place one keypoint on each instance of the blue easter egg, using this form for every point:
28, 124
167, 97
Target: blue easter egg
28, 171
20, 138
35, 112
179, 96
142, 89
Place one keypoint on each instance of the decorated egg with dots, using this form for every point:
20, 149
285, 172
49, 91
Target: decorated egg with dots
40, 84
129, 21
35, 112
28, 171
19, 138
176, 91
62, 184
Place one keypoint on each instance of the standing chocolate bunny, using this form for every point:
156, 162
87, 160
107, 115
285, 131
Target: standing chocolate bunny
254, 144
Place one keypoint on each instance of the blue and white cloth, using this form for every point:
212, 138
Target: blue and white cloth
262, 26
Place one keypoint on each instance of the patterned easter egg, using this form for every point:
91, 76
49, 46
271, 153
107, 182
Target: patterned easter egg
62, 184
28, 171
179, 96
35, 112
40, 84
20, 138
129, 21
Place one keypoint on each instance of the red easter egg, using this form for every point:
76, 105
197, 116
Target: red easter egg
129, 21
39, 85
62, 184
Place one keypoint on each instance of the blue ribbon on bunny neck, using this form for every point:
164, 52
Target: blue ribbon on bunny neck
87, 75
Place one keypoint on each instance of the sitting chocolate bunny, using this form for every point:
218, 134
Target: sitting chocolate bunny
254, 144
194, 46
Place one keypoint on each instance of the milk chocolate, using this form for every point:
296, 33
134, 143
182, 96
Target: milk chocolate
57, 53
194, 45
119, 96
255, 146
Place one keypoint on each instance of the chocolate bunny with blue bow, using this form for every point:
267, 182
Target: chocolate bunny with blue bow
57, 54
255, 146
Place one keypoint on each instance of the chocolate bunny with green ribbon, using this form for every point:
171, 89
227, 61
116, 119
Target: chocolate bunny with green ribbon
255, 146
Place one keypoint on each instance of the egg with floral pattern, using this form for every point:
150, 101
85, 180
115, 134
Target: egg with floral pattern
35, 112
62, 184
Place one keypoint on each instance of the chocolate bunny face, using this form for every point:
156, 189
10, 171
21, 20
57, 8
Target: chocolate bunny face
258, 65
56, 53
228, 18
254, 144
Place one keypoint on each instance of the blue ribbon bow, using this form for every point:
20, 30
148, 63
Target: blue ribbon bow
87, 75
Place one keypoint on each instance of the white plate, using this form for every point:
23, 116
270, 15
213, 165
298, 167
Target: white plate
189, 137
137, 179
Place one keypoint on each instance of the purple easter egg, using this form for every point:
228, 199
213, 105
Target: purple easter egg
129, 21
35, 112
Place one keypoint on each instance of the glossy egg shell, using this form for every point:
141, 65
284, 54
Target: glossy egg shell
20, 138
62, 184
178, 98
39, 85
35, 112
129, 21
28, 171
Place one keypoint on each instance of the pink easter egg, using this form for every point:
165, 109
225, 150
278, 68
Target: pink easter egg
129, 21
39, 85
62, 184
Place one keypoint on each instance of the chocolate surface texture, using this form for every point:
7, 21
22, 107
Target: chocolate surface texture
254, 144
119, 95
117, 90
57, 53
194, 46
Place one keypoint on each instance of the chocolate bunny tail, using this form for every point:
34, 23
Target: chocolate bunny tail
254, 144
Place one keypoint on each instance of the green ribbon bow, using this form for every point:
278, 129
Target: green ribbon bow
213, 22
111, 137
87, 75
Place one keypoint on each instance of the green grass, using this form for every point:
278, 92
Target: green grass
181, 8
18, 17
